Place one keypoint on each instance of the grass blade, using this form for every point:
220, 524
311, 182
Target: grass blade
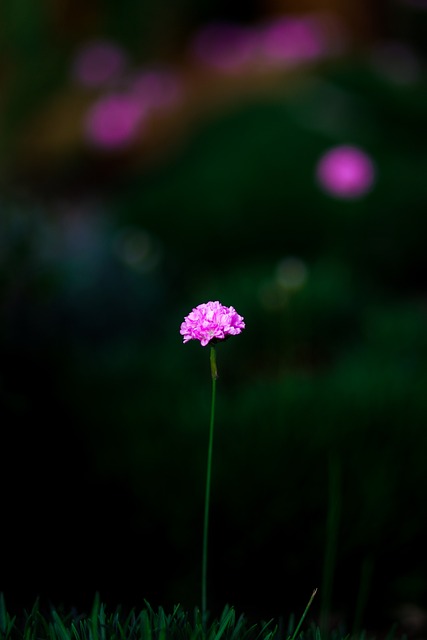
304, 615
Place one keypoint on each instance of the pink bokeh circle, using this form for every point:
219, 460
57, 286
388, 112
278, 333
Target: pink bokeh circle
98, 63
113, 121
346, 172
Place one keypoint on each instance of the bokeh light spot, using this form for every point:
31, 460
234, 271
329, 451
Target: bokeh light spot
293, 40
291, 273
157, 89
225, 47
137, 249
113, 121
98, 63
397, 62
346, 172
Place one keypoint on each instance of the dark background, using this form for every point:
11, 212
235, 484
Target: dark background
104, 414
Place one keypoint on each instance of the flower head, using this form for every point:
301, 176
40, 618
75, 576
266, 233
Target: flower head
211, 322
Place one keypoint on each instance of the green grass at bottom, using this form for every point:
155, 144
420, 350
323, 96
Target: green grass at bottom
148, 624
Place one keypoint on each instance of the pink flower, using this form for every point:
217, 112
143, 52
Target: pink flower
211, 322
225, 47
98, 63
113, 121
294, 40
346, 172
157, 88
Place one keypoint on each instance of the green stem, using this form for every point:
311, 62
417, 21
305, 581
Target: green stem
214, 374
332, 525
362, 598
303, 615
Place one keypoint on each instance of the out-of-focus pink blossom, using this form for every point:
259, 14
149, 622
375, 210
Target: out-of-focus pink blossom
99, 63
113, 120
160, 88
346, 172
294, 40
211, 322
225, 47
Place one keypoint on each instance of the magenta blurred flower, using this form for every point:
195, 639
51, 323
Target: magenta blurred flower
294, 40
98, 63
226, 47
346, 172
113, 120
211, 322
157, 88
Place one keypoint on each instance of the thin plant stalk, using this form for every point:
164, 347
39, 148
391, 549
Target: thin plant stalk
332, 526
362, 598
295, 633
214, 374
